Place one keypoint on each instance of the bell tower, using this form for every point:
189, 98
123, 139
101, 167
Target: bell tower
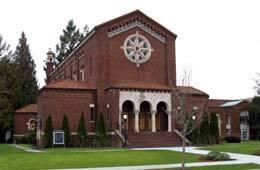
50, 64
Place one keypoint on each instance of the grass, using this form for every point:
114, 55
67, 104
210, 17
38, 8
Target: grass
245, 147
13, 158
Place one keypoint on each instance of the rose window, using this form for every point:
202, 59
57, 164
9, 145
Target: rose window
137, 48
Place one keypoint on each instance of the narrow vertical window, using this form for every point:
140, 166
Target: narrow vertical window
92, 113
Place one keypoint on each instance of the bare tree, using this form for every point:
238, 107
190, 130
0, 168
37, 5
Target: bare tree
188, 117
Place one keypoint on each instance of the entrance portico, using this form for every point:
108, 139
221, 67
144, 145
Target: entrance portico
146, 110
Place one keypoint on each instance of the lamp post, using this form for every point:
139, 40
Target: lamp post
125, 132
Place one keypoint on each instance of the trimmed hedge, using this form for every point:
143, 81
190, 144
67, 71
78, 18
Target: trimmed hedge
217, 156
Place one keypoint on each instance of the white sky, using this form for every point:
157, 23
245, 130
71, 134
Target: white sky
219, 40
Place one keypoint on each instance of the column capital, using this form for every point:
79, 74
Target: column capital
136, 111
153, 111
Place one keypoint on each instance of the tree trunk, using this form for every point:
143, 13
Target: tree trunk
183, 153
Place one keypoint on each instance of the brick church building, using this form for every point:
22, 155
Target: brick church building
124, 66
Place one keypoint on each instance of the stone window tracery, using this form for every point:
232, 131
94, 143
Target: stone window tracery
137, 48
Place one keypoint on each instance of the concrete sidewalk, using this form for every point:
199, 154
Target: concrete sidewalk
26, 149
239, 159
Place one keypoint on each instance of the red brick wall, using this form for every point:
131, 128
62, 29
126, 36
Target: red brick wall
71, 102
235, 117
20, 120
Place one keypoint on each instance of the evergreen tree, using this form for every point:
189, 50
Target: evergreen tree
101, 134
82, 132
70, 38
48, 132
26, 73
204, 129
214, 129
9, 91
66, 128
254, 118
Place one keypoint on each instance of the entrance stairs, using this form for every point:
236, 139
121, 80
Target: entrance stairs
153, 139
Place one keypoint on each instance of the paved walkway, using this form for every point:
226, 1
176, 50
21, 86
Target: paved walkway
26, 149
239, 159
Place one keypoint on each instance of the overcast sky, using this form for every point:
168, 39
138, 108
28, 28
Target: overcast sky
218, 40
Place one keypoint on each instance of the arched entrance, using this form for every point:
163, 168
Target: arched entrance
161, 117
128, 108
145, 117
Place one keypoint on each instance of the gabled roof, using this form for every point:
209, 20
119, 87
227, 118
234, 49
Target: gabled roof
130, 14
92, 32
69, 84
31, 108
191, 90
141, 85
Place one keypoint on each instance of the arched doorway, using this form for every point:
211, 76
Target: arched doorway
161, 117
145, 117
128, 108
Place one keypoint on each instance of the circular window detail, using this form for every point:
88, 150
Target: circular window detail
137, 48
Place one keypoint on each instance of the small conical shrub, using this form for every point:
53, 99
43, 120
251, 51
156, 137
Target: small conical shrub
66, 128
101, 133
48, 132
82, 132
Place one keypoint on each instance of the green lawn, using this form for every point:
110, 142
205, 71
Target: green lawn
17, 159
245, 147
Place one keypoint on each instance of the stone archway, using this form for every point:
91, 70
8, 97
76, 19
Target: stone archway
128, 108
145, 116
161, 117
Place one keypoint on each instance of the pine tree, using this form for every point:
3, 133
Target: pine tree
204, 129
66, 128
26, 73
214, 129
9, 91
101, 136
48, 132
82, 132
70, 38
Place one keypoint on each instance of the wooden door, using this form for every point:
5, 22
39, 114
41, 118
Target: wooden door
142, 121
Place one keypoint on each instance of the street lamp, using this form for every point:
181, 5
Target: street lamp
125, 132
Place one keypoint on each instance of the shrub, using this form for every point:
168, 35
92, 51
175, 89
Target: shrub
30, 137
204, 129
48, 132
101, 136
233, 139
214, 130
217, 156
82, 132
66, 128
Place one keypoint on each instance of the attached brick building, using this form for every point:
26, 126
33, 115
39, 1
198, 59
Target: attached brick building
123, 66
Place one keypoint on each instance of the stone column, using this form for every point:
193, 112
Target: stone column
136, 112
169, 113
153, 121
120, 120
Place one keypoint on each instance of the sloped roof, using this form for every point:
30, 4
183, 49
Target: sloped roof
92, 32
135, 12
141, 85
69, 84
231, 103
31, 108
217, 102
190, 90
